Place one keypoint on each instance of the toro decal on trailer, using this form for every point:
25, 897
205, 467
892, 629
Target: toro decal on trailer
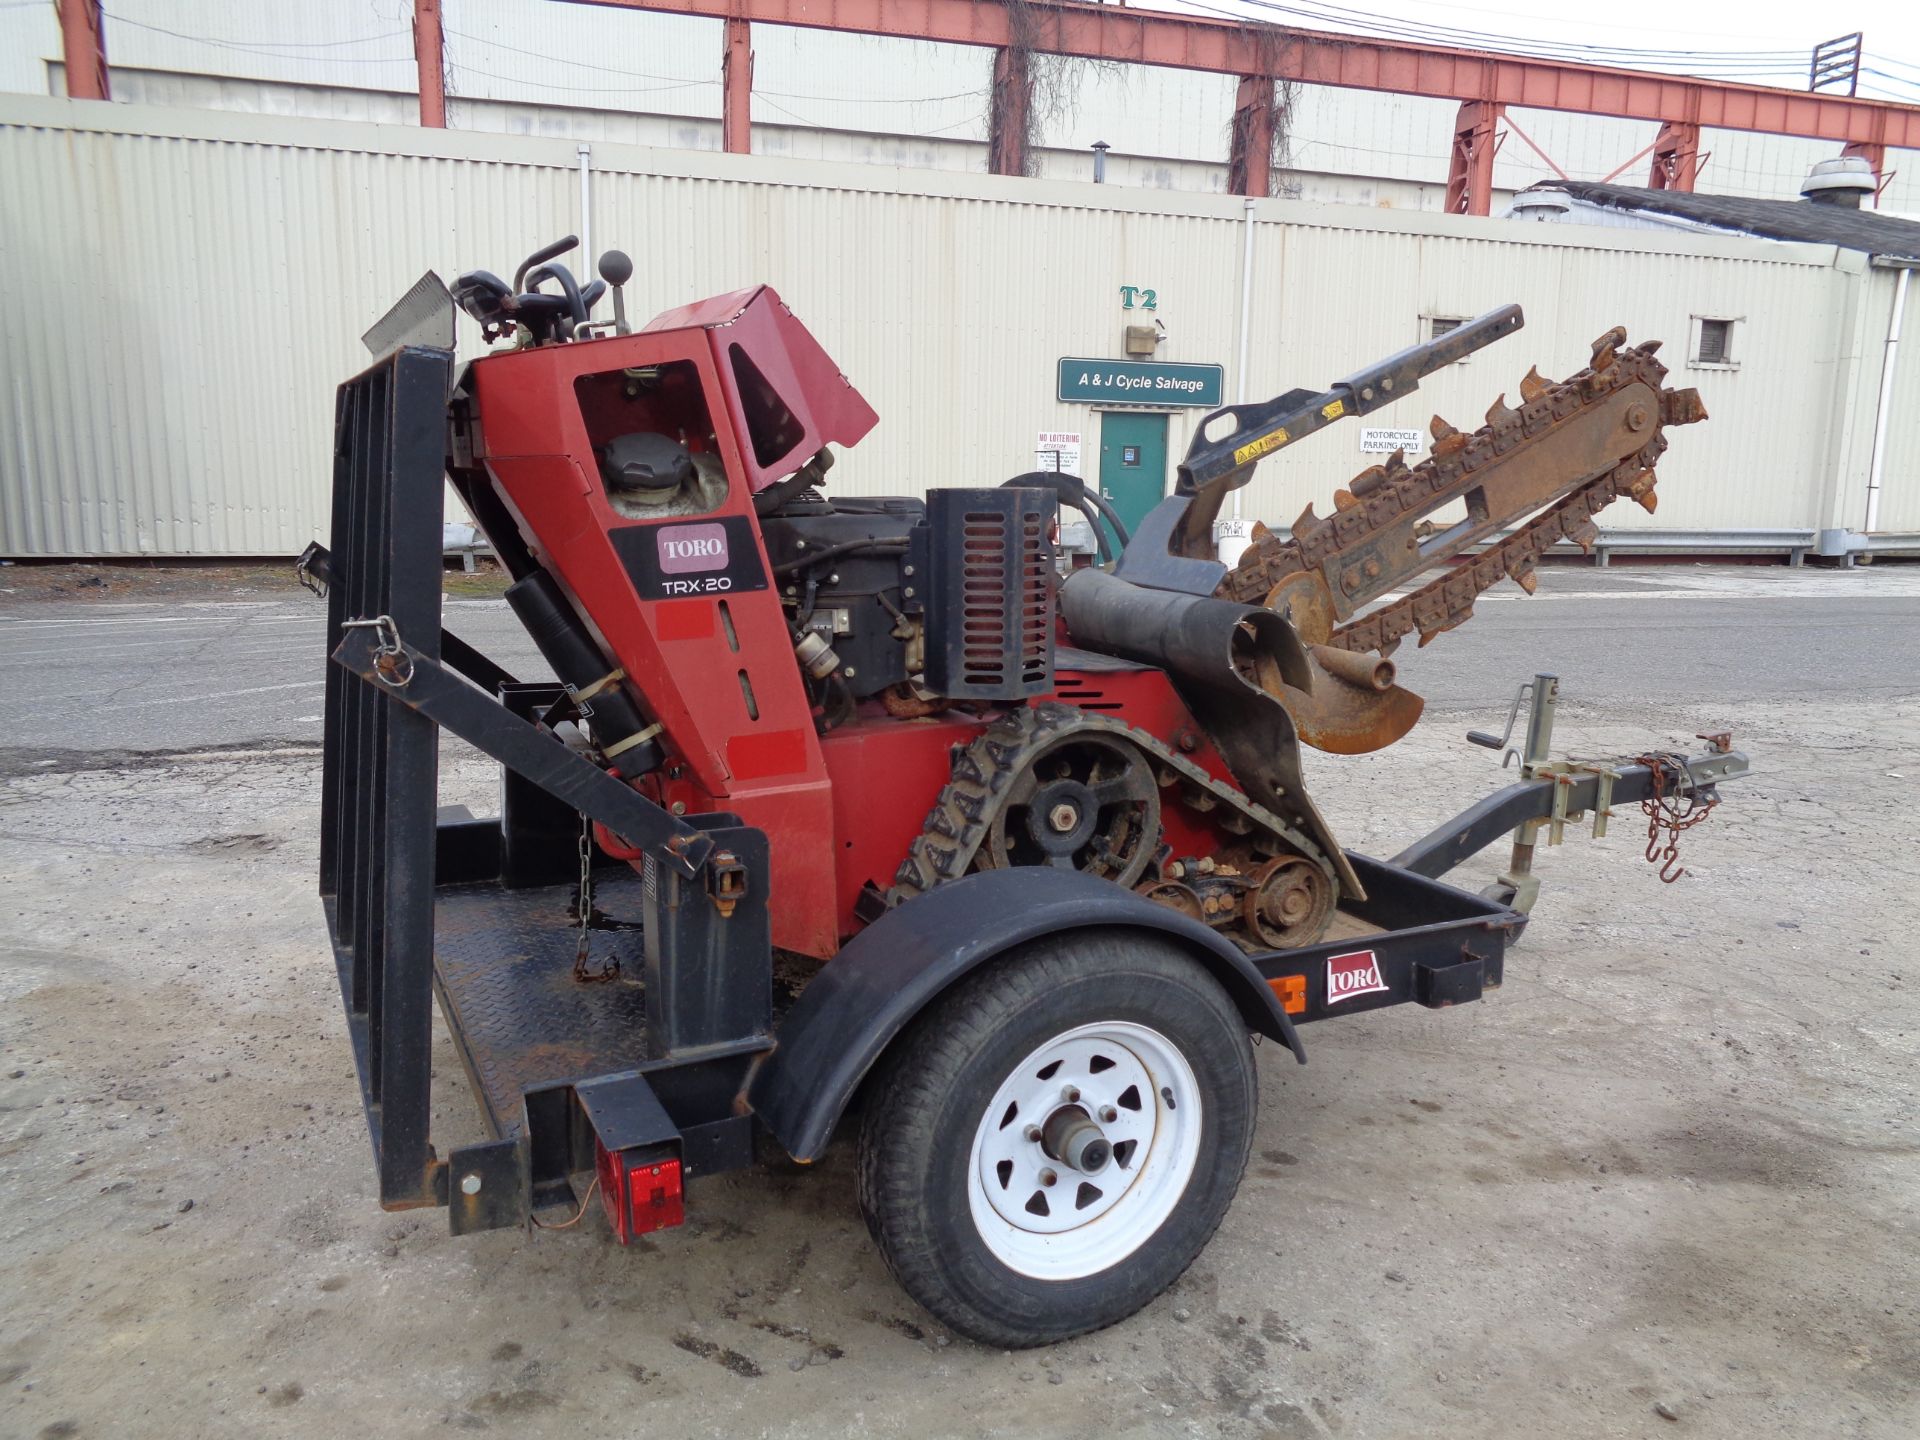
1351, 975
1036, 852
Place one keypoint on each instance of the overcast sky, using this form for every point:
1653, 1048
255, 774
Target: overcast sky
1891, 29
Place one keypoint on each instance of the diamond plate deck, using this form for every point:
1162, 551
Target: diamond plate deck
503, 968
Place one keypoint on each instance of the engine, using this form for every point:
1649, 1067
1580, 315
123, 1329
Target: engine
918, 601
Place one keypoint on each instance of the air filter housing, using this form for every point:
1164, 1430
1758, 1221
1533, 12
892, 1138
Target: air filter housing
989, 593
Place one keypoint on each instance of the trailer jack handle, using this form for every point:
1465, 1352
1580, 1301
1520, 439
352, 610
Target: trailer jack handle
1519, 886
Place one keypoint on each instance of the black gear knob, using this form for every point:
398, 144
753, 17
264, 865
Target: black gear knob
615, 267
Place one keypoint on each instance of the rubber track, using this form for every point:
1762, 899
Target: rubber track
984, 771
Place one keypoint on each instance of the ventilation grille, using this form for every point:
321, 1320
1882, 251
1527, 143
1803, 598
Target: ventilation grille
990, 613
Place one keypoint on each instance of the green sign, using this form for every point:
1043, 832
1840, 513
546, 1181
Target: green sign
1140, 382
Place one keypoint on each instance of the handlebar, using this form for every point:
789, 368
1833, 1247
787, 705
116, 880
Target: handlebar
541, 256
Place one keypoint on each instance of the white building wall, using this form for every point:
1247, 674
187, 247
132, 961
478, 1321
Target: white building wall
1900, 481
190, 286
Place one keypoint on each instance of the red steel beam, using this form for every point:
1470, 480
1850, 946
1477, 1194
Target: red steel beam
429, 59
736, 89
1676, 157
1186, 42
1007, 117
1470, 167
1250, 165
83, 50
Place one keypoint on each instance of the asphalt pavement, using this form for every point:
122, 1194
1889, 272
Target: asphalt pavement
193, 671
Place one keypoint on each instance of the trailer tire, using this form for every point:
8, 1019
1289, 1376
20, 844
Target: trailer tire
981, 1220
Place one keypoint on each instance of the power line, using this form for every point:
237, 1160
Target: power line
253, 44
1731, 64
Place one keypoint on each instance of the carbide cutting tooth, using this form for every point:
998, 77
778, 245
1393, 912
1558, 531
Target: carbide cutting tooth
1532, 387
1368, 480
1458, 618
1397, 464
1305, 518
1440, 429
1607, 347
1583, 532
1522, 573
1499, 412
1344, 500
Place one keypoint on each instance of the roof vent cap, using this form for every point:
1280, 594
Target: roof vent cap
1841, 182
1539, 205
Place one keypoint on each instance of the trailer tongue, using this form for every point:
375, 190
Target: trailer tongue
828, 814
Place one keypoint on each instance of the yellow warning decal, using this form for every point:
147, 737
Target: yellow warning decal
1254, 449
1334, 409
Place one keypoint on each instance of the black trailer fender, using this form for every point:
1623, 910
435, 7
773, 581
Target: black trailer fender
871, 990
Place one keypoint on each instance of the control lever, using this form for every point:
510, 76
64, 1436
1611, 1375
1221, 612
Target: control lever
616, 269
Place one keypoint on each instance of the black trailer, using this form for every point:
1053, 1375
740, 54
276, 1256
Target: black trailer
707, 1047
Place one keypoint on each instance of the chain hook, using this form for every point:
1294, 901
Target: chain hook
1670, 813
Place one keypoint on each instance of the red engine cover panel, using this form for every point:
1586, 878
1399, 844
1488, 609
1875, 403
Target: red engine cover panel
757, 324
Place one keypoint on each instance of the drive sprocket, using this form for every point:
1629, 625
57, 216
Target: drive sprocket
1003, 786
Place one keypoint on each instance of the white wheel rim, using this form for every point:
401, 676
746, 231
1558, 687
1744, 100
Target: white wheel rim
1137, 1086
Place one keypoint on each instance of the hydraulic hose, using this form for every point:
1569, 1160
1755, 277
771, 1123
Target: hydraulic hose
619, 729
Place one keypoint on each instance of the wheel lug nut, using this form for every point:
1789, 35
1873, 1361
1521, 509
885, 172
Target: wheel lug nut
1071, 1093
1048, 1177
1033, 1133
1108, 1114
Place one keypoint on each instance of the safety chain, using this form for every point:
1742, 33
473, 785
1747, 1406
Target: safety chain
583, 973
391, 663
1670, 813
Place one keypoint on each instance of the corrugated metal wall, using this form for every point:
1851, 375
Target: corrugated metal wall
1900, 484
188, 288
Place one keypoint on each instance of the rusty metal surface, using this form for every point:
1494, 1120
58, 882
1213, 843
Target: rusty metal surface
1353, 705
503, 967
1571, 448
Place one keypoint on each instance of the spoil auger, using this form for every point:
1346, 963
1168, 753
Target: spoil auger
1036, 855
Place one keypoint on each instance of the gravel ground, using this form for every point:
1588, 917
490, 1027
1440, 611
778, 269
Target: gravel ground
1663, 1182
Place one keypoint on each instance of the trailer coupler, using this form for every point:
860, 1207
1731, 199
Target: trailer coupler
1676, 792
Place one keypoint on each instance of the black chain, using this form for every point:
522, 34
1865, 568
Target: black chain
583, 973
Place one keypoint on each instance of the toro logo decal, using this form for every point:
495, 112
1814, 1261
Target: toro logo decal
691, 548
1351, 975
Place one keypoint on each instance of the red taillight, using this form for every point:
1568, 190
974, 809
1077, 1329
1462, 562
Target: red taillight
641, 1195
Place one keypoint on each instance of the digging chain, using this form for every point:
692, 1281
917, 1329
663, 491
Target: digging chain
984, 771
1674, 805
1387, 494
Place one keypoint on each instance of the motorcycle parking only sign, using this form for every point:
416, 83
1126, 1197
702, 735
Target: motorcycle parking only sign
1385, 442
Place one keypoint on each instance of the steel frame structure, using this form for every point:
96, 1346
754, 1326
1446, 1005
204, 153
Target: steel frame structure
1484, 84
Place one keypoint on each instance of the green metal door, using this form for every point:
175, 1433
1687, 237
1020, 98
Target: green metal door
1133, 463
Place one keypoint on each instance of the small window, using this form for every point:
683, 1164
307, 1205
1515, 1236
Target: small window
1713, 342
771, 426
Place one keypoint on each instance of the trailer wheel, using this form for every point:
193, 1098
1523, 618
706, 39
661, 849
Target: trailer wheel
1051, 1144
